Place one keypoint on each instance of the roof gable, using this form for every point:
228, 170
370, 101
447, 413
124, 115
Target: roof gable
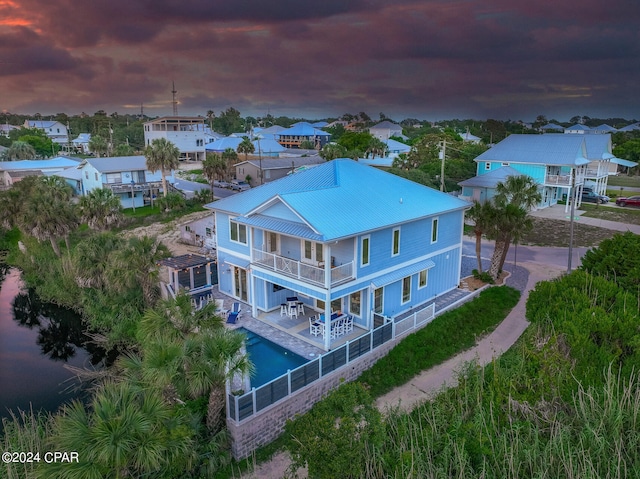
538, 149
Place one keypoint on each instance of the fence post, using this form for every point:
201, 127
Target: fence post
253, 401
288, 382
320, 366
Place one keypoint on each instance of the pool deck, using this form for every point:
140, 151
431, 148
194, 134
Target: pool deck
293, 334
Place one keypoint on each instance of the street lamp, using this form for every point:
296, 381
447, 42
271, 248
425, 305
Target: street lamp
133, 198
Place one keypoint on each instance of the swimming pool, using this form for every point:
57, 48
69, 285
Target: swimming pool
269, 359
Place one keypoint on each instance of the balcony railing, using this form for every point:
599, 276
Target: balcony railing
562, 180
302, 271
126, 187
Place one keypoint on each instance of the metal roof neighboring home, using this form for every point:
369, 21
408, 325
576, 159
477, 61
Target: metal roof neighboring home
302, 129
552, 127
57, 163
604, 128
342, 187
272, 130
222, 144
491, 179
577, 128
267, 146
632, 127
117, 163
539, 149
284, 163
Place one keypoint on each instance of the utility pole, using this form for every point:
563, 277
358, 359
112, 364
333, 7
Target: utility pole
571, 197
444, 151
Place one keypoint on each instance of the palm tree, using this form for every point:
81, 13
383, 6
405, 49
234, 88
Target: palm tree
164, 156
331, 151
20, 150
100, 208
246, 147
98, 145
135, 266
191, 354
482, 215
230, 157
91, 259
126, 431
521, 190
213, 166
376, 147
48, 213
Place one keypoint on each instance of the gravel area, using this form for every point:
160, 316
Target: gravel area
519, 275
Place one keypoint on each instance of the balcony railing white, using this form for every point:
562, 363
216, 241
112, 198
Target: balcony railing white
562, 180
302, 271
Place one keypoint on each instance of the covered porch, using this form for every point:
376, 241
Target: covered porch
194, 274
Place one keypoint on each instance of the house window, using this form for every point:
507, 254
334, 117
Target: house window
377, 301
199, 142
114, 178
395, 248
487, 166
336, 304
406, 289
364, 250
354, 303
434, 230
312, 252
422, 278
267, 174
207, 232
96, 175
505, 164
238, 233
86, 175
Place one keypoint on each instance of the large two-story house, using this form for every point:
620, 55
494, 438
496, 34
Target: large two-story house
55, 130
555, 162
186, 133
127, 176
341, 236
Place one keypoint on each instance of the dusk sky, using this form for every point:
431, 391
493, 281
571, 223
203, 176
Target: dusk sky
425, 59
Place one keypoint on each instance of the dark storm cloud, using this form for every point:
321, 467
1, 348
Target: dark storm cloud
422, 58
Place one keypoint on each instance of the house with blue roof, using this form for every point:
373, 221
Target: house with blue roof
555, 162
293, 137
340, 244
127, 176
55, 130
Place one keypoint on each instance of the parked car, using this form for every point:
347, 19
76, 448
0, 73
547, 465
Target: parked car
240, 185
630, 201
603, 198
591, 197
220, 184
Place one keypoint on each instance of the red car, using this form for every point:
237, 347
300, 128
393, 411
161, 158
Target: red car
630, 201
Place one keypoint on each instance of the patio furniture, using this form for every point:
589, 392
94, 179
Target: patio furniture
232, 317
293, 311
348, 325
220, 308
300, 307
315, 328
283, 309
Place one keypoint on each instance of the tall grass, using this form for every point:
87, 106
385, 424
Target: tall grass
22, 432
466, 434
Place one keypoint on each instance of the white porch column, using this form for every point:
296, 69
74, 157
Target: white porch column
327, 302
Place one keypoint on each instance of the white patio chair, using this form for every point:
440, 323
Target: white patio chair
315, 328
293, 311
348, 325
300, 307
283, 309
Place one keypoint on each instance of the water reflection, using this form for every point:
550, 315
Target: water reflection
37, 341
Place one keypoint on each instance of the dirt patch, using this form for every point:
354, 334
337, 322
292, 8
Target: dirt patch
169, 233
471, 284
550, 232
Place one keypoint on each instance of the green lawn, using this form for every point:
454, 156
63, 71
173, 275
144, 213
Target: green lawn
633, 181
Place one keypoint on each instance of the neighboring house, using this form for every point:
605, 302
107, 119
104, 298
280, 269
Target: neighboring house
220, 145
632, 127
385, 130
272, 168
604, 128
55, 130
552, 128
13, 171
187, 133
577, 129
551, 160
394, 149
73, 177
81, 143
336, 240
127, 176
199, 232
293, 137
267, 147
469, 138
5, 129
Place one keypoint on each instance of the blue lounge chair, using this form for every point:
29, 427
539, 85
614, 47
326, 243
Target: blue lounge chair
232, 317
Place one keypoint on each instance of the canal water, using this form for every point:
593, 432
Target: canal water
37, 340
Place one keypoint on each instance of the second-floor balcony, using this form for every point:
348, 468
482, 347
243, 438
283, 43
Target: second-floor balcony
562, 180
303, 271
126, 187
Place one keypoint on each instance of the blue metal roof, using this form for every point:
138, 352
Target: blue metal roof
569, 150
303, 129
343, 198
290, 228
491, 178
224, 143
57, 162
398, 274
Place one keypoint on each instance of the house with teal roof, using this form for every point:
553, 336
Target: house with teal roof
343, 239
555, 162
